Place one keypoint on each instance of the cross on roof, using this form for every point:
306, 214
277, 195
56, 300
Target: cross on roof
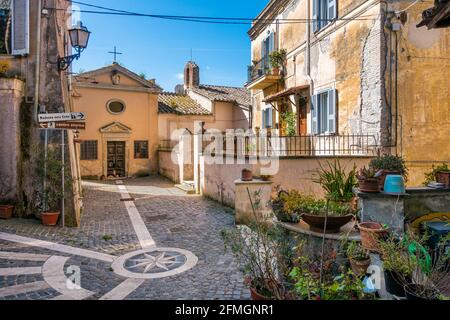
115, 53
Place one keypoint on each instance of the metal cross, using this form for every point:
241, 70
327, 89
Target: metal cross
115, 53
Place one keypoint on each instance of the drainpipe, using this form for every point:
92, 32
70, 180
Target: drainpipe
308, 48
38, 57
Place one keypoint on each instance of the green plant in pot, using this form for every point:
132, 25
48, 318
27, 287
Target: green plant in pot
389, 165
277, 59
263, 253
359, 258
398, 265
368, 180
6, 208
440, 174
49, 168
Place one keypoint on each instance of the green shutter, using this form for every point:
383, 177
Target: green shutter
332, 111
314, 114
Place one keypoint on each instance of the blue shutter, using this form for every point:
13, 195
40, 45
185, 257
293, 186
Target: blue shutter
332, 12
20, 27
314, 114
271, 42
315, 15
332, 111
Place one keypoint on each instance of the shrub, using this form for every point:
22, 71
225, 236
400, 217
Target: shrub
391, 163
431, 175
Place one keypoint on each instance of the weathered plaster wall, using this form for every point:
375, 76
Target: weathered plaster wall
423, 95
11, 92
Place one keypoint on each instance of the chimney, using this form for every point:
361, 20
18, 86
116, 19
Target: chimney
191, 75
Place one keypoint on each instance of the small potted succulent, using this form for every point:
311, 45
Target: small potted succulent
359, 258
368, 180
277, 59
389, 165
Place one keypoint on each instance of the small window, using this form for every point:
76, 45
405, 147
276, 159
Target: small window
89, 150
324, 11
267, 121
323, 112
5, 28
116, 107
141, 149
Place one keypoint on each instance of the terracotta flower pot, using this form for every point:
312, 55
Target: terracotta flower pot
334, 224
370, 233
50, 218
369, 186
443, 177
6, 211
384, 174
275, 71
247, 175
256, 296
359, 267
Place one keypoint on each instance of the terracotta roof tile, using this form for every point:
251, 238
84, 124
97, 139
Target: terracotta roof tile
179, 104
240, 96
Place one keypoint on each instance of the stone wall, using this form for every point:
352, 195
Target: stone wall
11, 91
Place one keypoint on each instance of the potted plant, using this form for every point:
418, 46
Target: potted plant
389, 165
287, 206
277, 59
368, 180
397, 265
263, 256
247, 175
327, 216
6, 211
371, 233
440, 174
266, 177
359, 258
50, 168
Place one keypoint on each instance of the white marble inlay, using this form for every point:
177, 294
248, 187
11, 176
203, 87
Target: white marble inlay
53, 273
20, 271
23, 256
23, 288
57, 247
123, 290
122, 270
145, 239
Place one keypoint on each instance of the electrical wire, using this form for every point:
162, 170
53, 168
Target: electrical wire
200, 19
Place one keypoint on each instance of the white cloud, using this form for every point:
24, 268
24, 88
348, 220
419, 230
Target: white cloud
180, 76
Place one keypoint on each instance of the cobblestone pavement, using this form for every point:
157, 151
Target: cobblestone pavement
173, 220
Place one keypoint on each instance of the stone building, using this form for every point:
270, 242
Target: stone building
32, 37
360, 75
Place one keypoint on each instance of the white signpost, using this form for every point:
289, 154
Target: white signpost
63, 122
58, 117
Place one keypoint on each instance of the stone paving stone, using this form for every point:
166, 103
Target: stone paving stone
172, 218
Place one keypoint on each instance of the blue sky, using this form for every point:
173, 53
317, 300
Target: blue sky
160, 48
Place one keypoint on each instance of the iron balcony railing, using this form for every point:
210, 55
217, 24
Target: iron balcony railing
258, 69
298, 146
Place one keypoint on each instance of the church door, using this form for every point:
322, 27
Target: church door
116, 159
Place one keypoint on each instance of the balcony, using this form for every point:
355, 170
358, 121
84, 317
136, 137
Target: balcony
260, 76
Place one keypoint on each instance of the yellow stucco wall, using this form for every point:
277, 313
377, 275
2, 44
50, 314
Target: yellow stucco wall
353, 57
424, 95
140, 115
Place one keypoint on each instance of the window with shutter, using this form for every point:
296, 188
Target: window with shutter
332, 111
314, 115
20, 27
324, 11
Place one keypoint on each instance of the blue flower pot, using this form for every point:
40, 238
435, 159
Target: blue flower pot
394, 184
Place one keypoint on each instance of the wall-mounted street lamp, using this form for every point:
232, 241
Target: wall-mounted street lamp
79, 38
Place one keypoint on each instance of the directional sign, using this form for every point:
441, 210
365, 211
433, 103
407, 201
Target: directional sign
58, 117
72, 125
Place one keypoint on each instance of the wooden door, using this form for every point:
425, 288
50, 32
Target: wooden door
116, 159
